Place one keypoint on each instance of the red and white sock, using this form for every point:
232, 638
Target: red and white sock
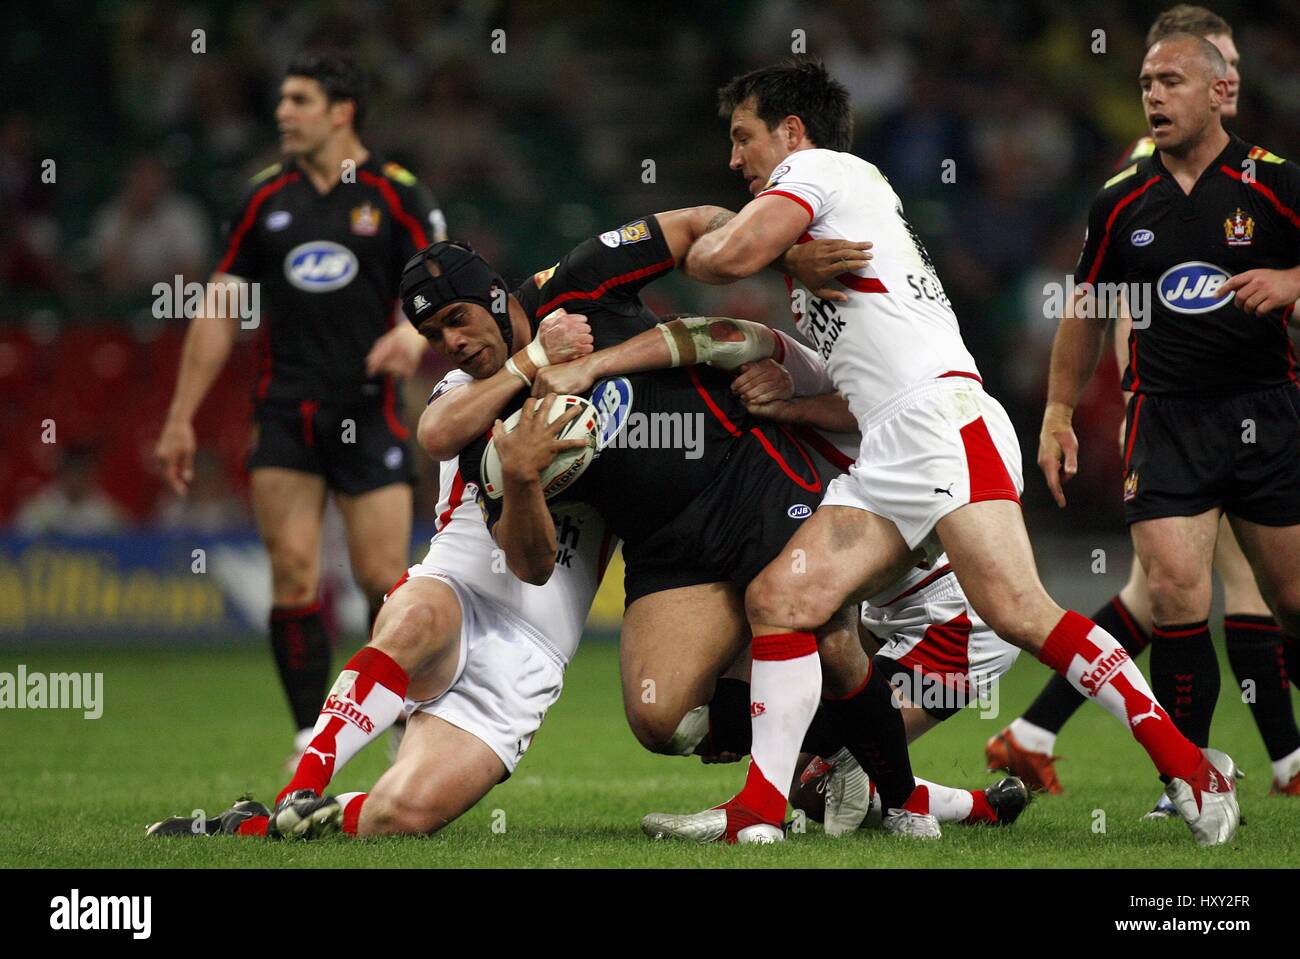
1095, 664
351, 803
366, 699
949, 804
785, 686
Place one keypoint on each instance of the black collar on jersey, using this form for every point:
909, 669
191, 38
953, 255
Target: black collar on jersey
463, 277
1231, 155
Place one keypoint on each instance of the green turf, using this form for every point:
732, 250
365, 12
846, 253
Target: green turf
189, 730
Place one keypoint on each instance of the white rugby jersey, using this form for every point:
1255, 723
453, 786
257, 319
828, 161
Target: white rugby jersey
463, 548
898, 329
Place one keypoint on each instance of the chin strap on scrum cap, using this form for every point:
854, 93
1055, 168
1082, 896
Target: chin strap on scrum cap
450, 271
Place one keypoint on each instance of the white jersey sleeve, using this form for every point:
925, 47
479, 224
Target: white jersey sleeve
806, 369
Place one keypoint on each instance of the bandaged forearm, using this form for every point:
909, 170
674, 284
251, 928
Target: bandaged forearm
717, 340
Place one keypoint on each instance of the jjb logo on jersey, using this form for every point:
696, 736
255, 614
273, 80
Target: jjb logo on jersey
613, 401
1191, 287
320, 266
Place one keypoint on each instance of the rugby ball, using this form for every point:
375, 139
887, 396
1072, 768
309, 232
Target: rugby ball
567, 466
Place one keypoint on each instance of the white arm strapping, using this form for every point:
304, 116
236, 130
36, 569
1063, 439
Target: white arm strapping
697, 339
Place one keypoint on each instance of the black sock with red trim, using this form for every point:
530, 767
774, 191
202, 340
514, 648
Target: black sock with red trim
870, 725
1185, 677
302, 655
1257, 656
1058, 700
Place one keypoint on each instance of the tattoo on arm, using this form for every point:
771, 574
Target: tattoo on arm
720, 219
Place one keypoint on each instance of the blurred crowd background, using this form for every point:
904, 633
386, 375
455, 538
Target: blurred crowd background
528, 152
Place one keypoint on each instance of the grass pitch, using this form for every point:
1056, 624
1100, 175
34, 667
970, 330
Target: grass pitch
192, 730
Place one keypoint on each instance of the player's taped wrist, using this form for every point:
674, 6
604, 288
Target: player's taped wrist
529, 360
512, 367
717, 340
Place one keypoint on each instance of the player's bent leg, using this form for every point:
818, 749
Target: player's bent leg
417, 648
441, 772
378, 525
673, 645
419, 628
989, 551
1177, 552
840, 554
287, 507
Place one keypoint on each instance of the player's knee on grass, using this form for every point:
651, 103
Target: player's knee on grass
655, 725
389, 813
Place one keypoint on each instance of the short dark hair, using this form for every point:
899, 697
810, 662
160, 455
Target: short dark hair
798, 86
1186, 18
338, 75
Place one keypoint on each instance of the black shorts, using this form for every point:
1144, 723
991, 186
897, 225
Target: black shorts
738, 525
358, 447
900, 676
1184, 455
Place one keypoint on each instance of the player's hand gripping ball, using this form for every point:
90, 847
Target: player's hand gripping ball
573, 444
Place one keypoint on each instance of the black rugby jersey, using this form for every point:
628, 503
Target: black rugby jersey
328, 268
638, 484
1143, 229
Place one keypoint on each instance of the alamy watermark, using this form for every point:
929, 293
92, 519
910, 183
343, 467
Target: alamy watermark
931, 691
1098, 300
662, 431
233, 299
37, 690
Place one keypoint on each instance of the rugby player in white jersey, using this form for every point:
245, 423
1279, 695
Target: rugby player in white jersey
939, 466
471, 655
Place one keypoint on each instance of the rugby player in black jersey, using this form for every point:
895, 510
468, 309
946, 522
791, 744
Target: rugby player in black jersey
324, 235
1209, 224
695, 528
1255, 646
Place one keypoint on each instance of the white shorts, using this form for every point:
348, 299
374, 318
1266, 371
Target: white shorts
507, 677
946, 656
932, 448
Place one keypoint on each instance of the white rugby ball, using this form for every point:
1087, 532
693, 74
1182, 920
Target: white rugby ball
568, 465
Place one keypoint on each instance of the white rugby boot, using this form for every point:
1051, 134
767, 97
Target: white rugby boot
851, 798
914, 825
711, 825
1208, 802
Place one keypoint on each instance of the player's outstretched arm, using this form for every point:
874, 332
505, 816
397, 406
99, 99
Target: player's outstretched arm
464, 414
722, 341
1075, 352
208, 342
525, 530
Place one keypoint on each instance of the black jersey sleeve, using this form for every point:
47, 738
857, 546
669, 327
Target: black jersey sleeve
610, 269
1098, 261
239, 256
